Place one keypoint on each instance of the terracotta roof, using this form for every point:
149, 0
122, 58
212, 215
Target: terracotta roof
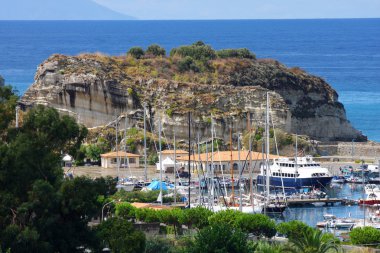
118, 154
225, 156
148, 205
171, 151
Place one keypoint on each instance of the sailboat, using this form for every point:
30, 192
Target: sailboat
123, 183
270, 205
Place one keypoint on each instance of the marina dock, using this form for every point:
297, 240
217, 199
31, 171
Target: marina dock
326, 201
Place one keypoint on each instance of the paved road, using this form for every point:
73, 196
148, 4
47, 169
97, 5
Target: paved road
96, 171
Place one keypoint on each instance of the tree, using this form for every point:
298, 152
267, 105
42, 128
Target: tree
222, 238
40, 210
226, 216
155, 50
125, 210
120, 236
365, 236
158, 245
314, 241
257, 224
293, 229
8, 102
196, 217
136, 52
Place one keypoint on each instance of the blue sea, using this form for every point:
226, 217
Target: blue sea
345, 52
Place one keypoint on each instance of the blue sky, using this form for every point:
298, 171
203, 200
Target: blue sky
245, 9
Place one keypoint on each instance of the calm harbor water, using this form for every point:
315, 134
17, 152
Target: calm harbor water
312, 214
345, 52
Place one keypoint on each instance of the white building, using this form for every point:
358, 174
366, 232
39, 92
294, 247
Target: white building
109, 160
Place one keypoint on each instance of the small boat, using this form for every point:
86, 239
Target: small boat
357, 180
342, 223
338, 179
326, 220
372, 199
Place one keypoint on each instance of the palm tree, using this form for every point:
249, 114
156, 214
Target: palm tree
314, 241
265, 247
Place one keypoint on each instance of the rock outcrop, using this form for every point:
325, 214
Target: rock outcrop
96, 88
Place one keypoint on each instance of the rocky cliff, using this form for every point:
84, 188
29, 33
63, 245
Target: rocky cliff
96, 88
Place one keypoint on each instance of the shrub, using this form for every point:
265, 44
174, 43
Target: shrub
198, 51
187, 64
365, 235
242, 53
155, 50
136, 52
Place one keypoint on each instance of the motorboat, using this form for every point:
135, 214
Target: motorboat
372, 199
297, 173
338, 179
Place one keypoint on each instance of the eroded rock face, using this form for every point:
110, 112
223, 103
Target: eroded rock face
96, 89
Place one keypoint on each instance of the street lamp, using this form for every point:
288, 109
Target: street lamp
106, 204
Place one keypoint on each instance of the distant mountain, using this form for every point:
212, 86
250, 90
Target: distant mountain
57, 10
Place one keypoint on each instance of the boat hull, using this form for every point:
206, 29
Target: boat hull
295, 182
369, 202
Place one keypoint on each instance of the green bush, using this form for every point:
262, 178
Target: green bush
136, 52
242, 53
365, 235
187, 64
155, 50
198, 51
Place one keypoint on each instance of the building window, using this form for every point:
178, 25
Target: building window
114, 160
132, 160
235, 166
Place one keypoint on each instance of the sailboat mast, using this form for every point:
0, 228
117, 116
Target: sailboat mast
199, 177
189, 122
296, 156
232, 169
160, 148
212, 162
267, 147
239, 181
145, 156
175, 170
117, 149
250, 172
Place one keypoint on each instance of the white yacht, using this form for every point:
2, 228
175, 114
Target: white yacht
295, 173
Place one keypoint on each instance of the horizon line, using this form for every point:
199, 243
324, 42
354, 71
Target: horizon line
237, 19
